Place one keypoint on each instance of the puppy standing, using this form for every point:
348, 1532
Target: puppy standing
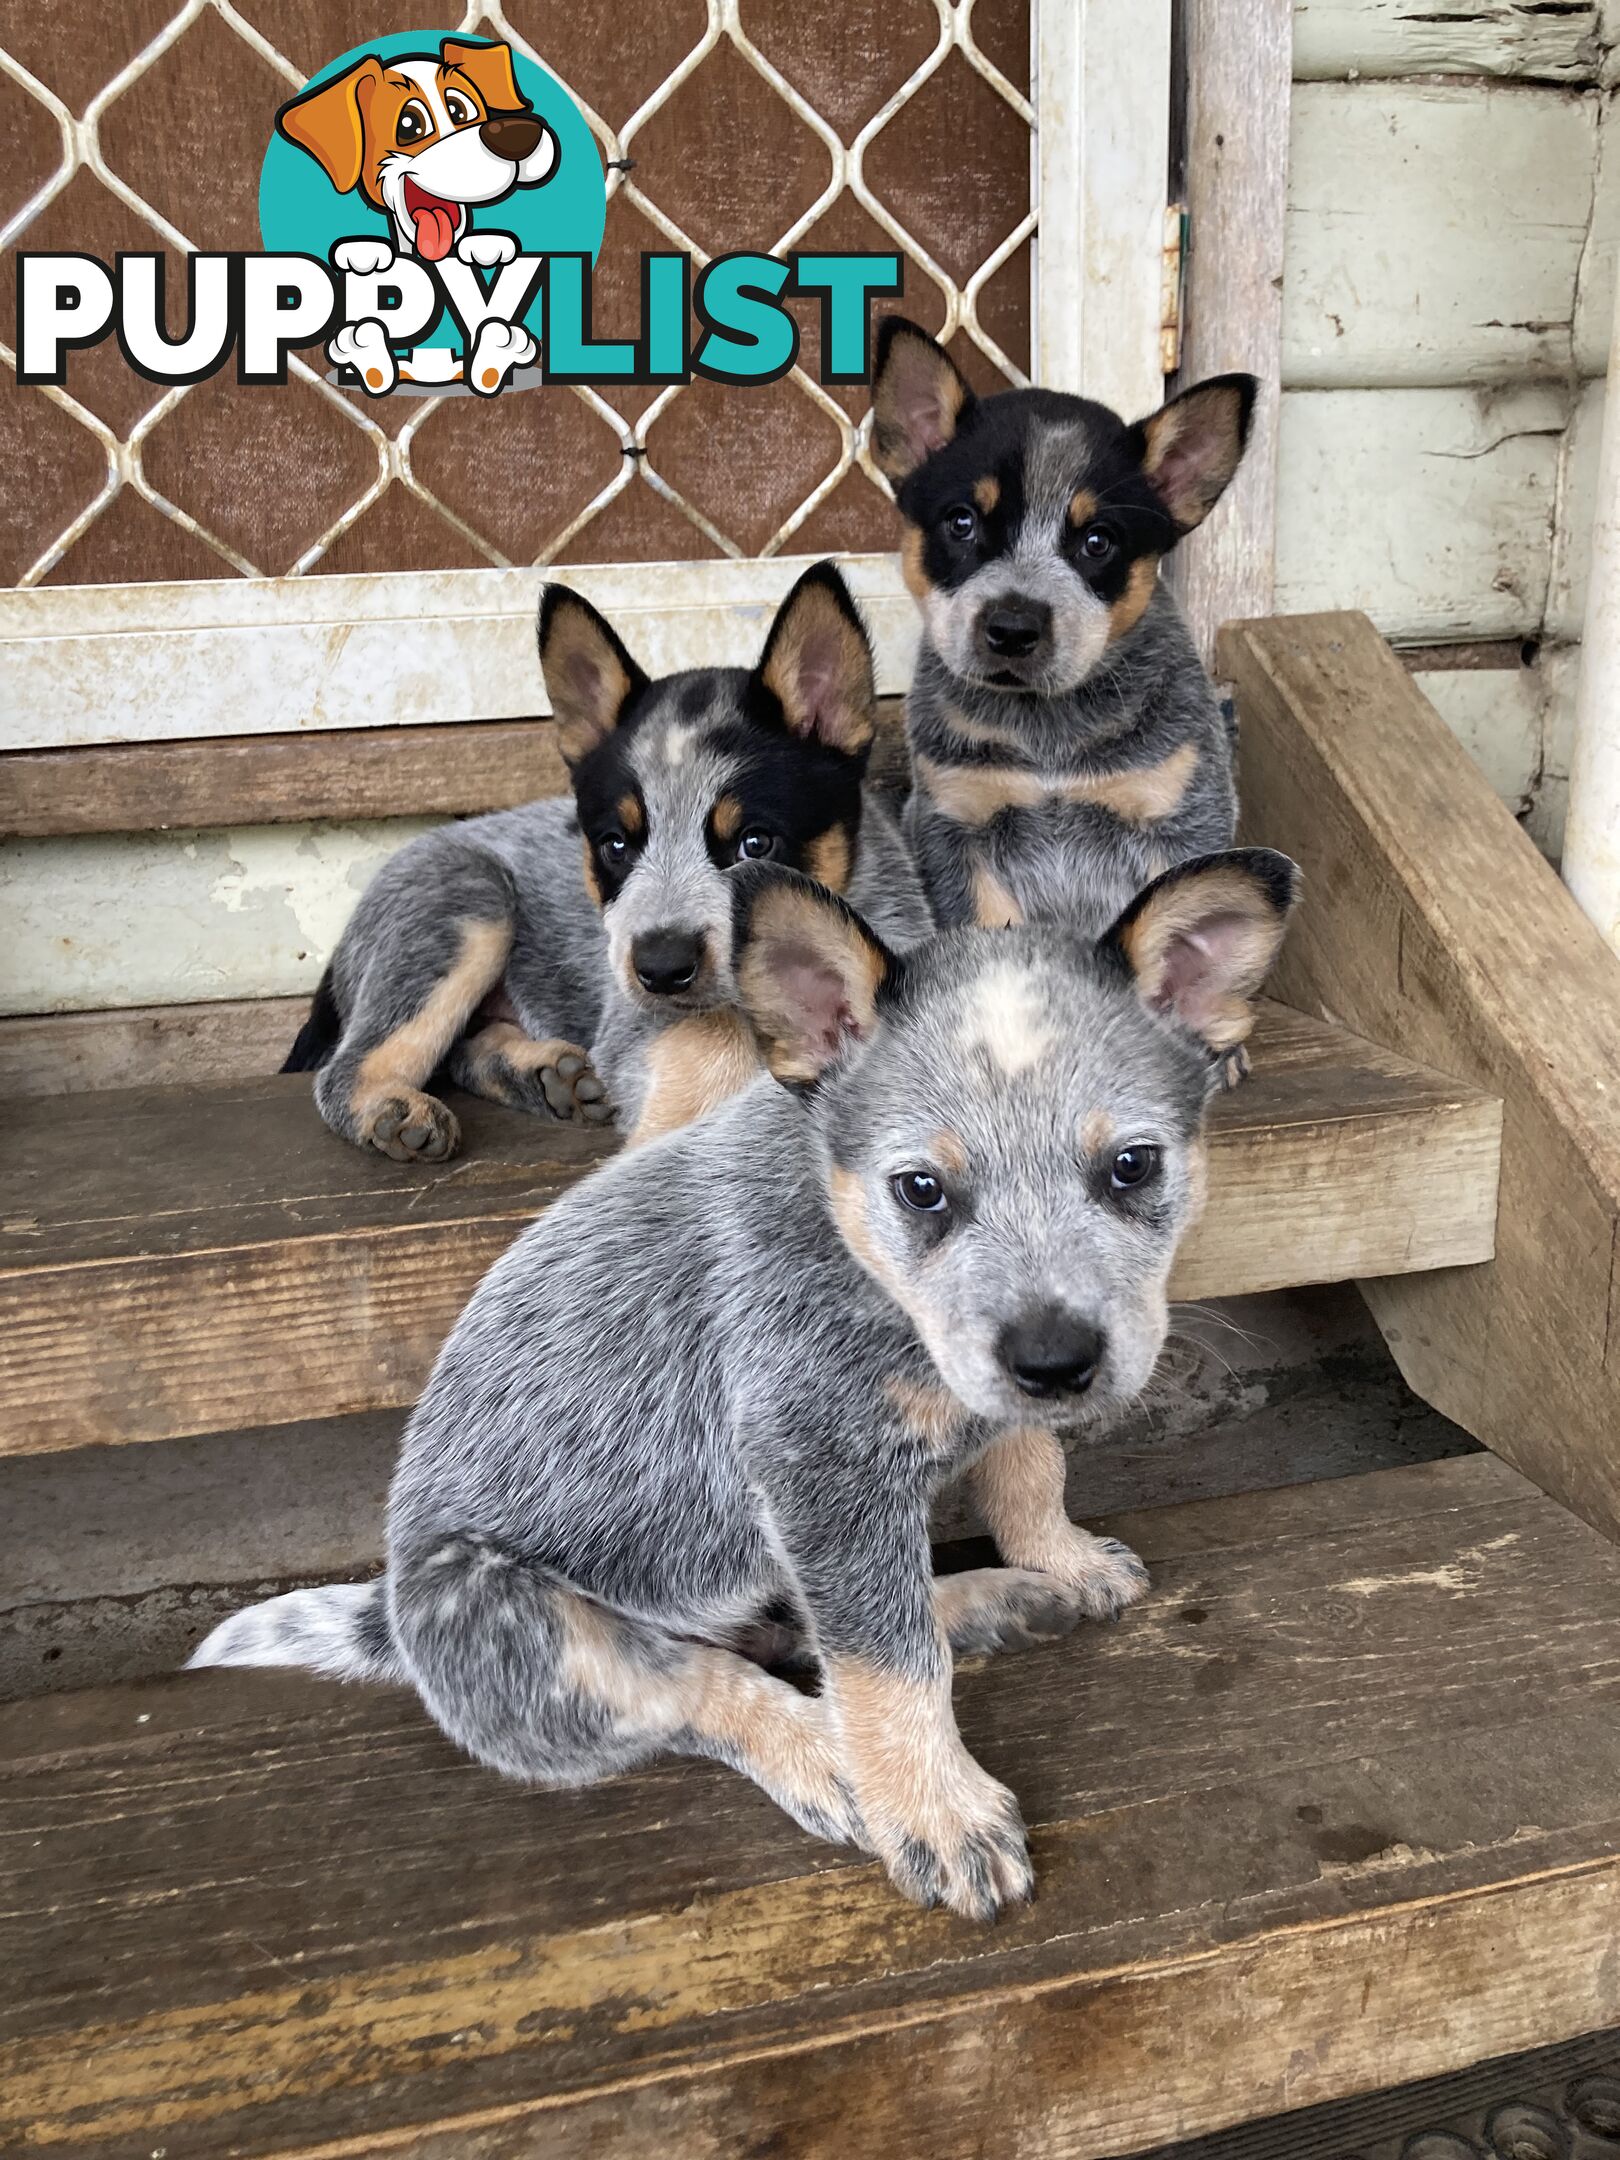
482, 951
1066, 743
725, 1376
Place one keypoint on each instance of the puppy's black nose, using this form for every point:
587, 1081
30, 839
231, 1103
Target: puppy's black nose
666, 960
1052, 1352
510, 135
1013, 628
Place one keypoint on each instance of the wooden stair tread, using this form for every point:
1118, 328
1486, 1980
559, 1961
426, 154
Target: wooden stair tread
199, 1259
1338, 1807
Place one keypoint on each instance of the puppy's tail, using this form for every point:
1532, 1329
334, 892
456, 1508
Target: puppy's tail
340, 1630
318, 1037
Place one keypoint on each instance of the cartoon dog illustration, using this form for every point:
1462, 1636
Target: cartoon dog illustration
426, 138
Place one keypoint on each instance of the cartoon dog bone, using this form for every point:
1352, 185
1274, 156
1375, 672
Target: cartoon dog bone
366, 258
364, 346
501, 348
486, 250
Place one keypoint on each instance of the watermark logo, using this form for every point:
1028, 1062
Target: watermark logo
432, 207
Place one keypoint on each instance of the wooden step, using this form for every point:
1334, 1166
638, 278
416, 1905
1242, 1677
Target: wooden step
1337, 1807
188, 1260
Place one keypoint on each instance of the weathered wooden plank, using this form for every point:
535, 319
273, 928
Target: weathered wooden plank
1572, 524
82, 664
1452, 37
1236, 162
353, 773
1393, 275
1429, 509
254, 1912
147, 1046
192, 1260
1448, 934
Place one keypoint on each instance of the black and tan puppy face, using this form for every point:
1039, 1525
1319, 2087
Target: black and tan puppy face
1034, 521
679, 780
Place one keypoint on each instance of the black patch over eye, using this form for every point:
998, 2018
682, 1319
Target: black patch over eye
1132, 1167
1098, 546
613, 850
756, 844
920, 1191
413, 123
960, 522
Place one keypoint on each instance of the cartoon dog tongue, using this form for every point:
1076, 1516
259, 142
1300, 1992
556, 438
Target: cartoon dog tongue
435, 224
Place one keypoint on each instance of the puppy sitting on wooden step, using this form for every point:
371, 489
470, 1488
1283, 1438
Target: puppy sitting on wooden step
717, 1386
482, 953
1066, 743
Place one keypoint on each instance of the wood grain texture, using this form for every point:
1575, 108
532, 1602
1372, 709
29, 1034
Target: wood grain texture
1394, 275
1449, 936
1336, 1807
1452, 37
1238, 91
147, 1045
448, 771
202, 1259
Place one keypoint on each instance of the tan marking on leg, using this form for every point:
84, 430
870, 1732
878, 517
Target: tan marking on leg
916, 578
700, 1061
1127, 611
1141, 796
1082, 507
994, 907
974, 794
632, 818
1098, 1132
726, 818
1018, 1484
987, 493
828, 860
404, 1060
929, 1412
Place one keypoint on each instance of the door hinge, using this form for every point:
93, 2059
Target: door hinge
1172, 258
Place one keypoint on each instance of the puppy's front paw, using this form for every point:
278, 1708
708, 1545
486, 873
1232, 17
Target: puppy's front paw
486, 250
1234, 1068
364, 347
969, 1853
988, 1609
500, 350
1105, 1575
366, 258
413, 1127
571, 1088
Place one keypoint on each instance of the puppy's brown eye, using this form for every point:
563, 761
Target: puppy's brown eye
1132, 1167
960, 522
755, 844
613, 850
1098, 546
462, 110
414, 123
920, 1191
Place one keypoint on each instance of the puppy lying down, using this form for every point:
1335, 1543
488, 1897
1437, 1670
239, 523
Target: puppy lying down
715, 1388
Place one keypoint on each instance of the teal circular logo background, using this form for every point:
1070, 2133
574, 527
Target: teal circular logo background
301, 213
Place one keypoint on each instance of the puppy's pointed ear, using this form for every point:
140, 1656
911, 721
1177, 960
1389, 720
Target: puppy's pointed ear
329, 121
488, 67
1191, 447
919, 398
590, 678
809, 972
1200, 940
818, 664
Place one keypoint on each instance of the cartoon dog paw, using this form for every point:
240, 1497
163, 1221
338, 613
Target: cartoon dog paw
500, 348
1103, 1574
366, 258
364, 347
486, 250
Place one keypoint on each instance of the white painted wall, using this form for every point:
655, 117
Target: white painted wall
1453, 226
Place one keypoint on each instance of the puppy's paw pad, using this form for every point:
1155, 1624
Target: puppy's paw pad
414, 1128
571, 1086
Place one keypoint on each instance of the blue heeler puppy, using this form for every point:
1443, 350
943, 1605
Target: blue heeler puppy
719, 1384
1066, 743
491, 953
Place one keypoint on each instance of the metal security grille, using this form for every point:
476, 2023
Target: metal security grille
609, 456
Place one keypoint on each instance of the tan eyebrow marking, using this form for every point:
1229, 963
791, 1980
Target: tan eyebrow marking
987, 493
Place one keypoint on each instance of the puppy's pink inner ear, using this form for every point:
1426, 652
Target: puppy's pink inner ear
1200, 966
818, 1000
822, 690
585, 679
